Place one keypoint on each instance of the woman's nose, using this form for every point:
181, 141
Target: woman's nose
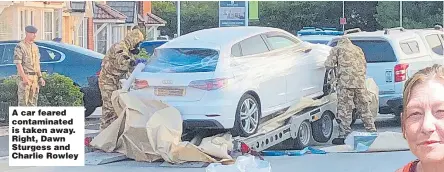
429, 122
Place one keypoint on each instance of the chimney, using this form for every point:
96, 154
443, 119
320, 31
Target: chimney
146, 7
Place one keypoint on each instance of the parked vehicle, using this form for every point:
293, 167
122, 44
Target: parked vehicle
233, 79
92, 97
395, 54
318, 35
72, 61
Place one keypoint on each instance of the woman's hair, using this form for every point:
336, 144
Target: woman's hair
429, 73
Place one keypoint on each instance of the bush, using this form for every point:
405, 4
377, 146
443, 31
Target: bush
58, 91
143, 54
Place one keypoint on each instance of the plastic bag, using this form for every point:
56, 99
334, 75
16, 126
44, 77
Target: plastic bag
242, 164
360, 141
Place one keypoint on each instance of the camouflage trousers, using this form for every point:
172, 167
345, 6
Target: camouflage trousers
27, 95
349, 98
107, 87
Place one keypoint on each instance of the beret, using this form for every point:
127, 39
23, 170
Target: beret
31, 29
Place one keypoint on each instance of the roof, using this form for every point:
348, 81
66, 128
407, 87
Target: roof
127, 8
151, 19
103, 11
64, 46
393, 34
222, 36
317, 37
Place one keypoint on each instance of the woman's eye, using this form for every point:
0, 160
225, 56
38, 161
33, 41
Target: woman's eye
440, 113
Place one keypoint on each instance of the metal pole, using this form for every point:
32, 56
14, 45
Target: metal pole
400, 13
246, 13
178, 18
343, 15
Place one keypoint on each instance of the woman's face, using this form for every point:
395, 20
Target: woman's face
424, 125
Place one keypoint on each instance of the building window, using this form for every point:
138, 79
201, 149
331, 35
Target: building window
57, 15
82, 34
48, 25
23, 22
32, 17
101, 40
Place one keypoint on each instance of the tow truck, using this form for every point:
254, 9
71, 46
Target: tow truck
297, 132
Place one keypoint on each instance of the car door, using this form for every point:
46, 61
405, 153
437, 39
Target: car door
49, 58
252, 66
292, 63
435, 44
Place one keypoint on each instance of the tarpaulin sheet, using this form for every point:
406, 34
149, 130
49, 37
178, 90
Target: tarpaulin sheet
151, 131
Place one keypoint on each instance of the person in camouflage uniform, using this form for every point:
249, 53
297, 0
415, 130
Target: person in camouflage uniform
27, 60
351, 67
117, 63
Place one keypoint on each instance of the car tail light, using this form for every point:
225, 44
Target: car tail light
209, 84
140, 84
401, 72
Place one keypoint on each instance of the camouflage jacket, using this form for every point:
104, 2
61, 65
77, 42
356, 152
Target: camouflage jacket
350, 64
118, 60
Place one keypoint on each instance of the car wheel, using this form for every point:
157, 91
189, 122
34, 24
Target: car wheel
248, 115
323, 128
329, 77
304, 136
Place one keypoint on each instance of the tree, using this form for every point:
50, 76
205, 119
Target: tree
416, 14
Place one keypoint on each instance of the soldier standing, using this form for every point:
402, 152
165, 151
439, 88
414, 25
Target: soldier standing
351, 66
118, 62
27, 60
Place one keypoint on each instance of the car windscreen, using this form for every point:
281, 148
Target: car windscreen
182, 60
376, 51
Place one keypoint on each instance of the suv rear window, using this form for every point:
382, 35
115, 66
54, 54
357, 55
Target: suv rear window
182, 60
376, 51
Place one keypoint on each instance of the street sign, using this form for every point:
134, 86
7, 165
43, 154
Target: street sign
232, 13
343, 21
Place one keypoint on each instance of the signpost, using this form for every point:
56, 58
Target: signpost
233, 13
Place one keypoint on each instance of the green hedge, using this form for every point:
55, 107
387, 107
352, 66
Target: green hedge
58, 91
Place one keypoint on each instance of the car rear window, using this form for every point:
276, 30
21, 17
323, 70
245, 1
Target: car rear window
376, 51
182, 60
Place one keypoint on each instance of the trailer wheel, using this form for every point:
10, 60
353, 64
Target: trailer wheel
323, 128
304, 136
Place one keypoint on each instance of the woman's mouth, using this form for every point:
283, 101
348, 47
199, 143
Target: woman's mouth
430, 142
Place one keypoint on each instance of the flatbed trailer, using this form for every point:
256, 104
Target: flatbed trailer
311, 123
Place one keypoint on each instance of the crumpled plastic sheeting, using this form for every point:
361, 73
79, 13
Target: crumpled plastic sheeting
360, 141
151, 131
242, 164
385, 142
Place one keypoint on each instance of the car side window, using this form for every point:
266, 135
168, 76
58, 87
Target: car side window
410, 47
277, 42
435, 44
47, 55
3, 59
236, 50
253, 45
8, 54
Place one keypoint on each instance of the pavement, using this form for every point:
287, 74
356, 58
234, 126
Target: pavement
343, 162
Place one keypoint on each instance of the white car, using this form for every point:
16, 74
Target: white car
393, 55
233, 77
